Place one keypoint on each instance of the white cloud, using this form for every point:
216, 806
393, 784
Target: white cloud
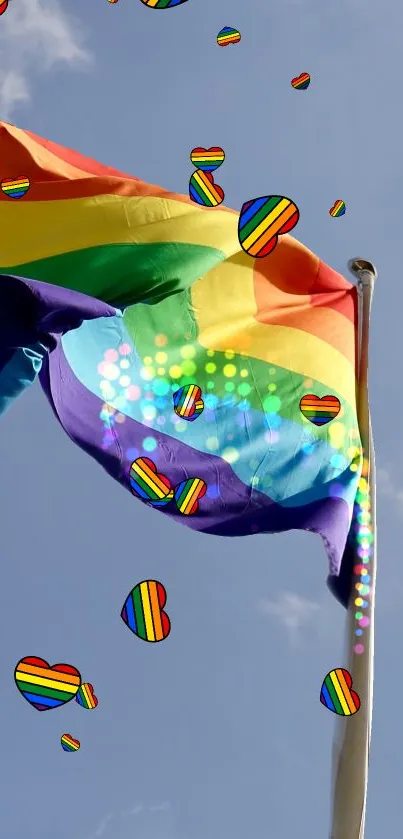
388, 486
292, 611
35, 35
103, 825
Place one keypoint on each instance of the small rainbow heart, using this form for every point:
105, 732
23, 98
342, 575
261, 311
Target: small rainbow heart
148, 484
69, 744
204, 191
336, 693
319, 410
162, 4
3, 7
207, 160
301, 82
338, 209
143, 611
15, 187
85, 696
228, 35
188, 403
188, 494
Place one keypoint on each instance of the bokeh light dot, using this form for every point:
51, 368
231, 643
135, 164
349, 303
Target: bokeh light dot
229, 370
149, 444
210, 368
175, 371
111, 356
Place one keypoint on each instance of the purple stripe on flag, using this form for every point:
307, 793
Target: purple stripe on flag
230, 508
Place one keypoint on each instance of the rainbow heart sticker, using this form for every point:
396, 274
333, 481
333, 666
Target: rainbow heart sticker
162, 4
301, 82
338, 209
188, 494
15, 187
207, 160
336, 693
85, 696
203, 190
263, 220
147, 483
188, 403
46, 687
319, 410
143, 611
69, 744
3, 7
228, 35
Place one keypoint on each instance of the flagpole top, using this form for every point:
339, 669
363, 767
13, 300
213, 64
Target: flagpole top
362, 269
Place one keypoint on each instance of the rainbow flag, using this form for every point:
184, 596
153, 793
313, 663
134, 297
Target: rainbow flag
184, 305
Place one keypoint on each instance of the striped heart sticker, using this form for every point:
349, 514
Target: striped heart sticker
263, 220
44, 686
207, 160
188, 494
148, 484
188, 403
336, 693
204, 191
163, 4
15, 187
319, 410
3, 7
143, 611
85, 696
69, 744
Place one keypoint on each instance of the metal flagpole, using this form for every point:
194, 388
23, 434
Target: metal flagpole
353, 734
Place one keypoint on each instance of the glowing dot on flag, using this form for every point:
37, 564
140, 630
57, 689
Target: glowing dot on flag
175, 371
149, 412
364, 621
359, 649
133, 393
210, 353
188, 367
125, 349
188, 352
161, 357
111, 372
160, 340
229, 354
111, 356
149, 444
244, 373
271, 387
161, 387
212, 444
244, 389
229, 370
271, 404
124, 364
210, 367
229, 386
147, 373
231, 455
124, 381
120, 418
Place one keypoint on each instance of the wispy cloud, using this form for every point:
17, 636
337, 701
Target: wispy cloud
292, 612
35, 34
388, 485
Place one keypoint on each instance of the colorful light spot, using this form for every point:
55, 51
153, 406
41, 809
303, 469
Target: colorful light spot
230, 455
229, 370
149, 444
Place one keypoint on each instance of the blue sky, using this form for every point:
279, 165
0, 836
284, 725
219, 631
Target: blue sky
218, 732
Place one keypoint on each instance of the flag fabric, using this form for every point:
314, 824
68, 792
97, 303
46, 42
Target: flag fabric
269, 345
